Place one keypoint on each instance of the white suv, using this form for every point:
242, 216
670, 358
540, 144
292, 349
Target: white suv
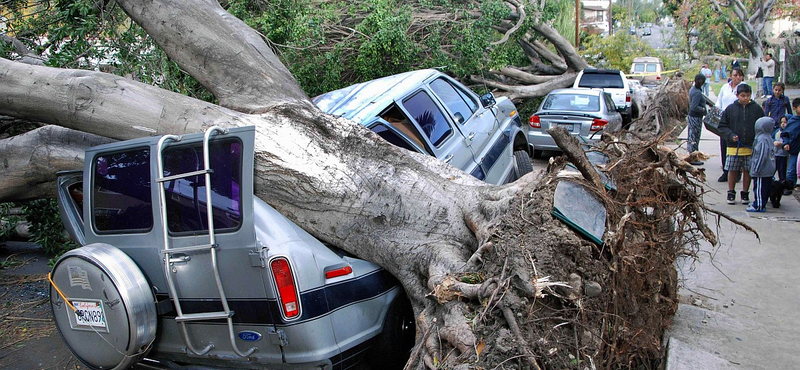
612, 81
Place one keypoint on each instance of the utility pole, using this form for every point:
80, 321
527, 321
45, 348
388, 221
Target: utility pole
577, 22
610, 19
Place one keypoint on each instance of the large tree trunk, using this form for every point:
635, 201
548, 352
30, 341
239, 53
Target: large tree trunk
424, 221
750, 28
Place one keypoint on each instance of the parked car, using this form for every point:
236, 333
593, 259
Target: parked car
429, 112
181, 263
584, 113
647, 70
612, 81
647, 31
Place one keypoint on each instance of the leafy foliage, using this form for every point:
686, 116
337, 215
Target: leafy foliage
45, 226
617, 51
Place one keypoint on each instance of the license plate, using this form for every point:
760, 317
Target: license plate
567, 126
89, 313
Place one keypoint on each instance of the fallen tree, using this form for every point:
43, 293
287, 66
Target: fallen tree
495, 280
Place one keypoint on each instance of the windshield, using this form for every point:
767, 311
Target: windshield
601, 80
572, 102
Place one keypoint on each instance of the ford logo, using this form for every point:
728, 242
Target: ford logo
249, 335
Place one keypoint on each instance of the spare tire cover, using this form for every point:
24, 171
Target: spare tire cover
113, 322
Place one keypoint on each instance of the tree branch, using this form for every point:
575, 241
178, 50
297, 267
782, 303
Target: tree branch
31, 160
521, 8
563, 46
532, 91
220, 51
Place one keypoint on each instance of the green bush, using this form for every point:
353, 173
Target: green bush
45, 226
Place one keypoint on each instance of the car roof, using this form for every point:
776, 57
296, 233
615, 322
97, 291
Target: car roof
365, 100
600, 70
646, 59
582, 91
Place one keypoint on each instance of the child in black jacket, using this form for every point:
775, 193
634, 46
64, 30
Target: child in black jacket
737, 127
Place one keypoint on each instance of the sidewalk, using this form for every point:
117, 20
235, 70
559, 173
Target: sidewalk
739, 300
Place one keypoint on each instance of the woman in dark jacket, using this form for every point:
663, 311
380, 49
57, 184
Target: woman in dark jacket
697, 109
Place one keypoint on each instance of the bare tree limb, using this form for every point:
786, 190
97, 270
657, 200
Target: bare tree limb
520, 92
521, 9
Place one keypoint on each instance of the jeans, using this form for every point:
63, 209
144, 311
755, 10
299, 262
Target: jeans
706, 88
716, 75
695, 128
791, 171
768, 85
724, 73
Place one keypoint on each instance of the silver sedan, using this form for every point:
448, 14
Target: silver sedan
583, 112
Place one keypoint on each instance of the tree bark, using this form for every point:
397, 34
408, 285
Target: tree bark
30, 160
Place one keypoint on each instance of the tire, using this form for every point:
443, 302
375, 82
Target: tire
522, 163
103, 281
392, 347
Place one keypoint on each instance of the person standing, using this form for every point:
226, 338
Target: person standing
760, 79
724, 71
777, 105
737, 126
762, 165
726, 96
791, 143
781, 163
706, 72
735, 63
717, 65
697, 109
769, 73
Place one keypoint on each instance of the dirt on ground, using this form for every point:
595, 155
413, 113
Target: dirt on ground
28, 337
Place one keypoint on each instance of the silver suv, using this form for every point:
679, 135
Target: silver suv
428, 112
612, 81
181, 265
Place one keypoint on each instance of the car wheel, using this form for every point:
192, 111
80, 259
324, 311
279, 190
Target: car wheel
537, 153
392, 347
522, 161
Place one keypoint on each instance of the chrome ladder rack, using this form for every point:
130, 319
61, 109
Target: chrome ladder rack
210, 248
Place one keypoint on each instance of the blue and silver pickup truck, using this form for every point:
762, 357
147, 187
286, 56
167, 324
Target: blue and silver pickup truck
429, 112
182, 266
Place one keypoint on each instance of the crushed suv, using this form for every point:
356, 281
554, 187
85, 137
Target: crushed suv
182, 266
428, 112
612, 81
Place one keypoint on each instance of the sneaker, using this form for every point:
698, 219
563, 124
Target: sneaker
696, 163
745, 197
731, 197
753, 209
723, 177
776, 205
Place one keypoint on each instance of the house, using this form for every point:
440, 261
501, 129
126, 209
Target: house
595, 16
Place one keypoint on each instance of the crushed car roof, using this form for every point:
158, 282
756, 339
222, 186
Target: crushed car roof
362, 101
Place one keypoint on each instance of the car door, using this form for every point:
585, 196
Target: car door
446, 142
70, 204
614, 118
478, 125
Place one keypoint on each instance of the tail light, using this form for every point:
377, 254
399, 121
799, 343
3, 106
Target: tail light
598, 124
658, 77
287, 291
535, 122
627, 97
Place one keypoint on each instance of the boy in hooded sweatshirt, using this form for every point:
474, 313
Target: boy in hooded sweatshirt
737, 127
762, 164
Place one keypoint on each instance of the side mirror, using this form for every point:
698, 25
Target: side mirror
487, 100
459, 118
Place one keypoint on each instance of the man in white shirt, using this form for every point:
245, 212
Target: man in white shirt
769, 73
726, 97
